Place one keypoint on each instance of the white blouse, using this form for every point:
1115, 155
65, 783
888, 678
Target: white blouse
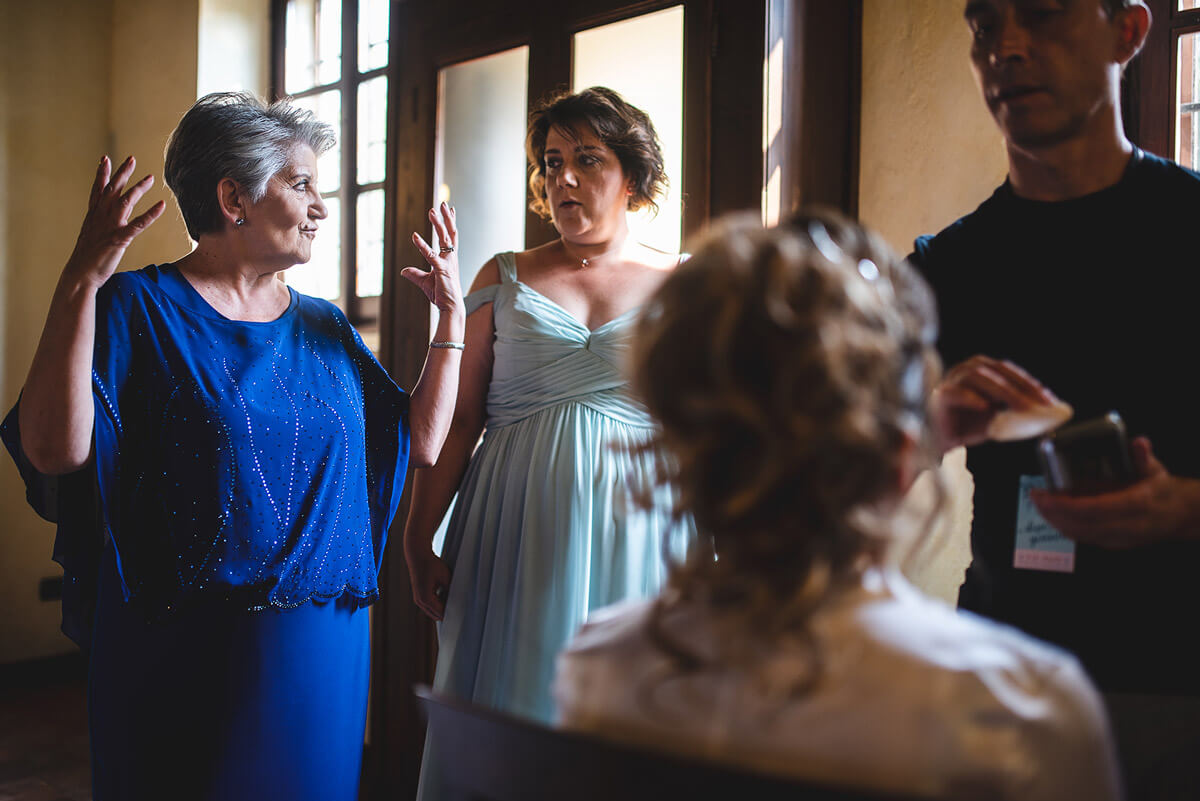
913, 697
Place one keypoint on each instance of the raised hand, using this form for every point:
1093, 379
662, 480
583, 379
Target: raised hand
107, 229
972, 392
441, 282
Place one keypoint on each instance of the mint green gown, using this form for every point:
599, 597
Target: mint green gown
546, 528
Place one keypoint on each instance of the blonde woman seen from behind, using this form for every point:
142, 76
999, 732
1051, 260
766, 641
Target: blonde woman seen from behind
790, 371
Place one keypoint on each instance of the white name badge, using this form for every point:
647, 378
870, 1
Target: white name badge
1039, 546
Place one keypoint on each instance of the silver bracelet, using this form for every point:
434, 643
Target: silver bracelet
450, 345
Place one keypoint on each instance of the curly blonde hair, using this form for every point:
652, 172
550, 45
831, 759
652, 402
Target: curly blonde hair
786, 368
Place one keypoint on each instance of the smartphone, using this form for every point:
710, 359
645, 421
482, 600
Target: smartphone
1087, 458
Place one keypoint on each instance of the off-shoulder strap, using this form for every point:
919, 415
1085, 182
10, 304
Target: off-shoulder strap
507, 262
480, 296
506, 265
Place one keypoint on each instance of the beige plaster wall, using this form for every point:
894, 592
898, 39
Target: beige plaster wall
54, 95
930, 154
80, 78
234, 46
154, 77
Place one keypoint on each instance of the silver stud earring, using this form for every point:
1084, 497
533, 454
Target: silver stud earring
239, 221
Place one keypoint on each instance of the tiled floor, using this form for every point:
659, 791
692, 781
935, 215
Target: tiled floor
43, 732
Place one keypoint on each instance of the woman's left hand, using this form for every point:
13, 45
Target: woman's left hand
441, 282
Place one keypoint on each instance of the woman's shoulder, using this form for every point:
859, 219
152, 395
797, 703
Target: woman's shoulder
964, 661
901, 619
489, 274
130, 289
656, 259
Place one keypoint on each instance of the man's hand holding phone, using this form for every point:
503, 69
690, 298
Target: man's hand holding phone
1156, 507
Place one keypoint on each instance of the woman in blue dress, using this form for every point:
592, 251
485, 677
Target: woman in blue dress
228, 458
547, 526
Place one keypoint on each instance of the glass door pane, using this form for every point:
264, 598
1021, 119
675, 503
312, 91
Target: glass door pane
480, 161
480, 167
642, 59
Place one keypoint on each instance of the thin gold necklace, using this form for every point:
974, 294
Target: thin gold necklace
584, 263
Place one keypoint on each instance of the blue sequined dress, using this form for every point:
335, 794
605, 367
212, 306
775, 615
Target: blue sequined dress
221, 551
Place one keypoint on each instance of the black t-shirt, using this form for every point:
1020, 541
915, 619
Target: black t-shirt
1097, 298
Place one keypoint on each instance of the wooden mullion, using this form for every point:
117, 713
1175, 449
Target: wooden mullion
1148, 90
316, 90
349, 88
549, 73
738, 39
404, 640
278, 50
1185, 19
697, 116
593, 14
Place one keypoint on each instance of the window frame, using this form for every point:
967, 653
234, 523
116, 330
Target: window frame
1149, 90
362, 311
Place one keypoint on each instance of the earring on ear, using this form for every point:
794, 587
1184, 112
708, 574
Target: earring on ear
240, 221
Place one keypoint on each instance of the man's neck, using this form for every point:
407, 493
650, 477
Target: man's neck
1070, 169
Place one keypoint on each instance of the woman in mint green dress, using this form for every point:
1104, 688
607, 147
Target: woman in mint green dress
547, 526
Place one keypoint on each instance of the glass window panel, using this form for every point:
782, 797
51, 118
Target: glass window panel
321, 277
329, 41
372, 130
1187, 143
327, 106
369, 275
480, 162
621, 56
372, 34
313, 47
1184, 5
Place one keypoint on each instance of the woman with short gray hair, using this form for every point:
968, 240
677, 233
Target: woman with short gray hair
223, 458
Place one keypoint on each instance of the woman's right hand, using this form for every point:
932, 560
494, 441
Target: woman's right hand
107, 229
430, 579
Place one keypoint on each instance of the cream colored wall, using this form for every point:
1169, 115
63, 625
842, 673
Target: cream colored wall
55, 95
154, 77
79, 78
234, 46
930, 154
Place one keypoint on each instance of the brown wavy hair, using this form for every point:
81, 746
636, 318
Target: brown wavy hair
786, 369
624, 128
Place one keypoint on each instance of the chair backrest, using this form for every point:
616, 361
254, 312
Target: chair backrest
484, 755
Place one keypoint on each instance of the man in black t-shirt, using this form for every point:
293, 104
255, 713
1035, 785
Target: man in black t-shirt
1082, 269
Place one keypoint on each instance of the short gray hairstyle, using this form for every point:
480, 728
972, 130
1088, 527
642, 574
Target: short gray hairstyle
234, 135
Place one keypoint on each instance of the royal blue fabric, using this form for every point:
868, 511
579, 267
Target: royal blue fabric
213, 703
260, 463
231, 525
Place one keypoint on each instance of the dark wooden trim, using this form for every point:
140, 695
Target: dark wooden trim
550, 55
735, 108
1149, 86
348, 86
404, 641
278, 41
1148, 93
696, 185
818, 145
